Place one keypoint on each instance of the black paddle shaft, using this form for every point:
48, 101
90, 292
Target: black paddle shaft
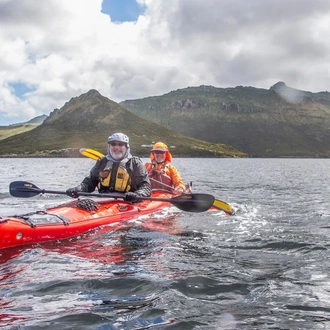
185, 202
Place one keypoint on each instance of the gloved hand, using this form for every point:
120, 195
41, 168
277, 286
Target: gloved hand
178, 191
73, 192
130, 197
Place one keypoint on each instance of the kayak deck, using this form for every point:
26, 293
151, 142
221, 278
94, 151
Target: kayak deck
71, 219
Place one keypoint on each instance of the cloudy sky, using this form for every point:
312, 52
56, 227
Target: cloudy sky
53, 50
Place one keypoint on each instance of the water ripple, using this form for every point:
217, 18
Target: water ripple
264, 268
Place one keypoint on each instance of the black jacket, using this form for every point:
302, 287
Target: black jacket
140, 182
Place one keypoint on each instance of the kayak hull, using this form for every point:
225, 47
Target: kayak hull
72, 219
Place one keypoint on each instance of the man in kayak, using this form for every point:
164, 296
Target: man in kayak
118, 171
162, 174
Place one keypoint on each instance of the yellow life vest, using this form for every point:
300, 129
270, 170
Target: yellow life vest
114, 177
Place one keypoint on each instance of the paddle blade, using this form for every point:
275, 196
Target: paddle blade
220, 205
23, 189
91, 153
193, 202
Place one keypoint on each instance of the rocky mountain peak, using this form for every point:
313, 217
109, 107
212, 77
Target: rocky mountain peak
289, 94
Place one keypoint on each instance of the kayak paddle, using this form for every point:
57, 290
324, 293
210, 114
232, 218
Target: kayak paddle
91, 153
218, 204
188, 203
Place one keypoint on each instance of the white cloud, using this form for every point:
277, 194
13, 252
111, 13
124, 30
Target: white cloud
62, 49
16, 108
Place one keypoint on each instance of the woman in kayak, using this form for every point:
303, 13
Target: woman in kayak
162, 174
118, 171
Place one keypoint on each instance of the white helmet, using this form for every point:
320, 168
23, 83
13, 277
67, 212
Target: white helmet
119, 137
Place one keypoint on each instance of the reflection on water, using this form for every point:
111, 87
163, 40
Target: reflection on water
264, 268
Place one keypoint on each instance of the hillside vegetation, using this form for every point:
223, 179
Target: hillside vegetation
88, 120
278, 122
7, 131
202, 121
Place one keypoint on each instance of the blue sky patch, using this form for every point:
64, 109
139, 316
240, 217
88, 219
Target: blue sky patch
122, 10
21, 89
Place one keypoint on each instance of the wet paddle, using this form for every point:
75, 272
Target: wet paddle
188, 203
218, 204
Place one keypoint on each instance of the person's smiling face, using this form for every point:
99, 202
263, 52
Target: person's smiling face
118, 149
159, 156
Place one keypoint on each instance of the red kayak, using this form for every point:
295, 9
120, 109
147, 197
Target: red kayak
71, 219
78, 216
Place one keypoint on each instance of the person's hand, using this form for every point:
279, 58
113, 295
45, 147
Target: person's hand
178, 191
73, 192
130, 197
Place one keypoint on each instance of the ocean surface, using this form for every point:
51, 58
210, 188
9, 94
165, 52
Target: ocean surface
266, 267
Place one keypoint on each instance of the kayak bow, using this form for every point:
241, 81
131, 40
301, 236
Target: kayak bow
70, 219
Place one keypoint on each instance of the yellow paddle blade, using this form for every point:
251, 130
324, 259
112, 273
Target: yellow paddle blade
223, 206
91, 153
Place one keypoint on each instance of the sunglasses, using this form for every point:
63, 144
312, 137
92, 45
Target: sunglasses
157, 152
119, 144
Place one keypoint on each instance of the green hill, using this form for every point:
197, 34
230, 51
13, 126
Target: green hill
278, 122
7, 131
88, 120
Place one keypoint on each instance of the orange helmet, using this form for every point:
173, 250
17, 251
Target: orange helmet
162, 147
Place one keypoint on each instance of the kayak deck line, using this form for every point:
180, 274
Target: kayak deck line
27, 218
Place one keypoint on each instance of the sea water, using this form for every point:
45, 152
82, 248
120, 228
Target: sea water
266, 267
